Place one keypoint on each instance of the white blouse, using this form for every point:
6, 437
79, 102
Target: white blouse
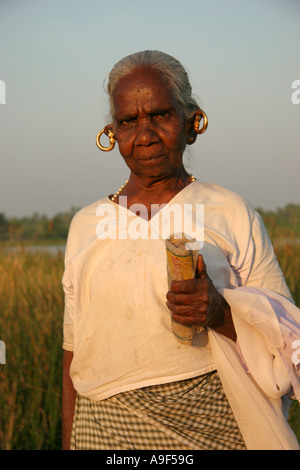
116, 320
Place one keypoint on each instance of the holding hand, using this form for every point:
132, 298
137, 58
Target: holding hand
198, 302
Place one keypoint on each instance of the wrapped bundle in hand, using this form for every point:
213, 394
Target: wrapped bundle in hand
181, 265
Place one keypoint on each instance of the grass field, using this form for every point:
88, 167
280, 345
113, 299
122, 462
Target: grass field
31, 305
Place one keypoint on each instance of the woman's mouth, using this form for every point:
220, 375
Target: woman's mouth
150, 158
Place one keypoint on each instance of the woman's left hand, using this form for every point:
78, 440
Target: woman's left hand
197, 302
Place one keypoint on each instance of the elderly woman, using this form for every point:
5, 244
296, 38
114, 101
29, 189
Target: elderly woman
129, 382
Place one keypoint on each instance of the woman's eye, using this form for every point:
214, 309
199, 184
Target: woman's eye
128, 122
161, 115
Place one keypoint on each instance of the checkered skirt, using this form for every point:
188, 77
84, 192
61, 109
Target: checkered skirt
189, 414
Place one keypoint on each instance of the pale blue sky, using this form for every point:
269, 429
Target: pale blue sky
242, 57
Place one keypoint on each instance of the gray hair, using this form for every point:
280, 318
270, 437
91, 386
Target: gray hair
170, 70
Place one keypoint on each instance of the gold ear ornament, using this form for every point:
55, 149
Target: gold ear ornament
200, 115
112, 140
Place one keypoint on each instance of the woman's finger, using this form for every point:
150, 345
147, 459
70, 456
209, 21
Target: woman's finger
190, 286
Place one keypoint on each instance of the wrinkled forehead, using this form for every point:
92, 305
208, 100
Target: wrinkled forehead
139, 78
140, 87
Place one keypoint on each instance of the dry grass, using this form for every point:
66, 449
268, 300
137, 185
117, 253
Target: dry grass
31, 305
288, 255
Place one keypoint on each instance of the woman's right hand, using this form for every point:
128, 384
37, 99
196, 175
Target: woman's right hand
197, 302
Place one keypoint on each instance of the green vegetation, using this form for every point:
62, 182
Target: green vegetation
35, 229
31, 305
283, 223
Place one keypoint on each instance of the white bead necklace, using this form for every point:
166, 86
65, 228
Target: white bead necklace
120, 190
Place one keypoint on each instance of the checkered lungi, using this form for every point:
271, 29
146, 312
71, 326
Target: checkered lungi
190, 414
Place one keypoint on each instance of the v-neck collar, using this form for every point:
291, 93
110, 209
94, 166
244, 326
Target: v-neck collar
130, 213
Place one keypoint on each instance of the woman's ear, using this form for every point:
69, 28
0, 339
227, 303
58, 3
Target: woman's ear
109, 128
191, 133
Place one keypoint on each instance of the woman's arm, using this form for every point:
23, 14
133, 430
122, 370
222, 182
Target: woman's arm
68, 401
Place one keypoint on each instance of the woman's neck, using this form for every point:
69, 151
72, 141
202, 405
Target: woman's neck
150, 191
151, 188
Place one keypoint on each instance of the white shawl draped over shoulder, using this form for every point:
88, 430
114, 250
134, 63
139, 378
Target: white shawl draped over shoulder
260, 368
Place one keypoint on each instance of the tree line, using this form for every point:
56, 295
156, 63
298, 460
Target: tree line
284, 222
36, 227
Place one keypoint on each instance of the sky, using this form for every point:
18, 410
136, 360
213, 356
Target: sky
242, 58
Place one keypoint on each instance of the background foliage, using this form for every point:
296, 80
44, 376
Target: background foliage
282, 223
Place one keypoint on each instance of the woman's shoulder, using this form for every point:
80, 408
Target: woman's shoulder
84, 220
223, 206
88, 211
215, 194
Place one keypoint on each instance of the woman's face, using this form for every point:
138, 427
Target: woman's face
149, 125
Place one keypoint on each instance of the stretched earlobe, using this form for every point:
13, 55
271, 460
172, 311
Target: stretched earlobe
200, 115
191, 139
112, 139
109, 131
195, 128
191, 135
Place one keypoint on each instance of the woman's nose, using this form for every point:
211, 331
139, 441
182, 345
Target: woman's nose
146, 135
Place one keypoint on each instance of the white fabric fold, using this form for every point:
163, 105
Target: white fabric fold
265, 322
259, 370
261, 419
